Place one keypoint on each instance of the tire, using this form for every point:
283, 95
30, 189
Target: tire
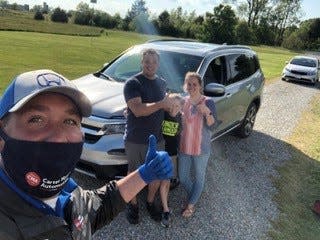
246, 127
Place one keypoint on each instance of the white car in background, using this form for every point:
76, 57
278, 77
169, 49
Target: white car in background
302, 69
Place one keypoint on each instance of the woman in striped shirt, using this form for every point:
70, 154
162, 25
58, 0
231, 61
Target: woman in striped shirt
198, 118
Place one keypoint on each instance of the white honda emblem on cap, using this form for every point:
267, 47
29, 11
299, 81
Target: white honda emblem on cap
49, 79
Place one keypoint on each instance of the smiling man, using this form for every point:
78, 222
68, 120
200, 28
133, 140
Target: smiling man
40, 144
145, 95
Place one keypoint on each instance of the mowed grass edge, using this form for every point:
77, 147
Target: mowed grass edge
298, 185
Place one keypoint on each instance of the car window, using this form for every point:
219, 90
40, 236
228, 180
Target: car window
241, 66
216, 71
304, 62
173, 67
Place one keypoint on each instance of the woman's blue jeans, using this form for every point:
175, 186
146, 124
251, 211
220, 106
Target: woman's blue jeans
192, 172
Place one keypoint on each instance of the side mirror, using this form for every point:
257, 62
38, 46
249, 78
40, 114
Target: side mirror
214, 90
286, 62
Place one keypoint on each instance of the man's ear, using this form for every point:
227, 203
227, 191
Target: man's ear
1, 140
1, 144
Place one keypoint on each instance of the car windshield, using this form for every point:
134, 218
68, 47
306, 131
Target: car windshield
306, 62
173, 67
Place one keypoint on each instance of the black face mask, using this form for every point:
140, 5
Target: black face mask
40, 169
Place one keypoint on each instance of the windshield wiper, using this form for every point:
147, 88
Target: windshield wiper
106, 76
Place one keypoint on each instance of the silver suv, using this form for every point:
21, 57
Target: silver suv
231, 76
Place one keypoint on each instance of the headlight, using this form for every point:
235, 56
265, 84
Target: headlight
314, 72
286, 70
112, 128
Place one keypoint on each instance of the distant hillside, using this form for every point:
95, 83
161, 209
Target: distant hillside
23, 21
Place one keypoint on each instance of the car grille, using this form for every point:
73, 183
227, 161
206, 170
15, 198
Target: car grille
299, 72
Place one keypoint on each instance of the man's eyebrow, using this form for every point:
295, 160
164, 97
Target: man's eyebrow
43, 108
34, 107
74, 111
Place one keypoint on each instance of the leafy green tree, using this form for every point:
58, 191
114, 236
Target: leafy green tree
263, 32
36, 8
252, 9
4, 4
244, 34
84, 14
38, 15
59, 15
314, 31
137, 18
165, 25
284, 14
137, 8
219, 27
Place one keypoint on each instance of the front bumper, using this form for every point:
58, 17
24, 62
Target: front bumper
299, 77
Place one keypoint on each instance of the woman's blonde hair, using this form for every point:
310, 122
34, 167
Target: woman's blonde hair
192, 75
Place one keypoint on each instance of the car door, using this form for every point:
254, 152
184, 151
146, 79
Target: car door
238, 85
216, 72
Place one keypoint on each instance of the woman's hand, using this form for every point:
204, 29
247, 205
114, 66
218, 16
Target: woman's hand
203, 109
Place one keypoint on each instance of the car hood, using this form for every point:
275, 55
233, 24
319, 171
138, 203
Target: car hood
299, 68
106, 96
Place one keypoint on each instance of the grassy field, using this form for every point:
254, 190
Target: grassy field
71, 56
23, 21
67, 49
74, 56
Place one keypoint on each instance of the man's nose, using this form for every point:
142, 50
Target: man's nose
57, 134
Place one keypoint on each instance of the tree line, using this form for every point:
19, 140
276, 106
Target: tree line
255, 22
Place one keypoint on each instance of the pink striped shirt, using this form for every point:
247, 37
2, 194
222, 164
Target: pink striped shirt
191, 134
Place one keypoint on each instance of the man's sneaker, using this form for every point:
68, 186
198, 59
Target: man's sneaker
165, 220
154, 212
174, 182
132, 213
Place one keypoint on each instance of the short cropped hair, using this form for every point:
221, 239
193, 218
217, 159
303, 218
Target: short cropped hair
150, 51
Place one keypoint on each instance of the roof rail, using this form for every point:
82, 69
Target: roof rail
225, 46
171, 39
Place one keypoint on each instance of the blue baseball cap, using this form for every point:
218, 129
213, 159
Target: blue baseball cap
27, 85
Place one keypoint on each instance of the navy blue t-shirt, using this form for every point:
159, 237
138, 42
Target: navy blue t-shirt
138, 129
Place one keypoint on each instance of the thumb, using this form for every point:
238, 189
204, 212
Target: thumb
152, 150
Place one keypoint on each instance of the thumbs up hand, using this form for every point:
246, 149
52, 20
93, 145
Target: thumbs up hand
157, 164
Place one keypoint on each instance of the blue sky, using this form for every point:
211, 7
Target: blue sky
309, 7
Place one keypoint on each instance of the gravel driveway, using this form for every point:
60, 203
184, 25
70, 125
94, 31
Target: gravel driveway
237, 200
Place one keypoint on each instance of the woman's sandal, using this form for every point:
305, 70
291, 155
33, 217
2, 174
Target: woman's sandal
188, 212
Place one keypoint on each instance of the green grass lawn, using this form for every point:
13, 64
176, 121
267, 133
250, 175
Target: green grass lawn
32, 44
71, 56
74, 56
23, 21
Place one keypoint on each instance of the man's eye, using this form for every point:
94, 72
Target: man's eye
72, 122
35, 119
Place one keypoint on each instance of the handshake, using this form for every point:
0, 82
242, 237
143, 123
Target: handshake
157, 164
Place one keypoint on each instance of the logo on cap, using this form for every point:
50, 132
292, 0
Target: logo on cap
49, 79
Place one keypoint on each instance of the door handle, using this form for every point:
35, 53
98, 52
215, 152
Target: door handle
228, 95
